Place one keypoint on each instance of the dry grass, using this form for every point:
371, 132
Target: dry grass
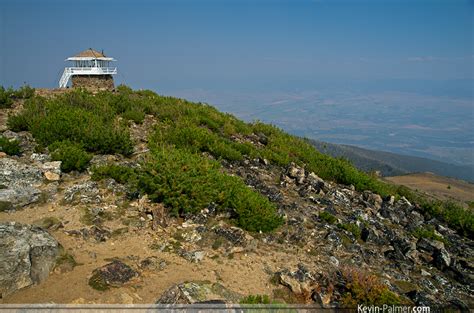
442, 188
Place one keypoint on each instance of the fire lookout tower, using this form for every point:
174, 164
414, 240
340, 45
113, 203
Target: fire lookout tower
91, 70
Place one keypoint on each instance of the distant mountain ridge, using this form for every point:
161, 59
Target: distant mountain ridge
392, 164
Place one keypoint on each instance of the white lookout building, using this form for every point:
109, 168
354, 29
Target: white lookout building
91, 70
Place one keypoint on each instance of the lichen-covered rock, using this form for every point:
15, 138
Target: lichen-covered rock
53, 167
86, 193
153, 263
296, 173
234, 235
198, 292
98, 233
315, 181
436, 249
40, 157
27, 142
20, 183
27, 254
52, 176
192, 256
114, 274
373, 198
301, 282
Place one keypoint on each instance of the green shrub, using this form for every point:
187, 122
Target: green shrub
25, 92
76, 116
125, 175
6, 98
187, 183
327, 217
7, 95
255, 299
428, 232
134, 115
10, 147
453, 214
186, 135
363, 288
352, 228
71, 155
17, 123
83, 127
5, 206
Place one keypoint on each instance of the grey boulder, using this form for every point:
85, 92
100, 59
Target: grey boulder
19, 183
198, 292
27, 255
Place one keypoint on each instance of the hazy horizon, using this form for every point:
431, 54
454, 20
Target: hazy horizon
388, 75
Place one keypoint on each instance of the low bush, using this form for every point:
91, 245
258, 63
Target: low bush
24, 92
363, 288
327, 217
17, 123
10, 147
8, 95
72, 156
352, 228
256, 299
136, 116
6, 100
452, 213
428, 232
76, 116
201, 128
184, 134
457, 217
188, 183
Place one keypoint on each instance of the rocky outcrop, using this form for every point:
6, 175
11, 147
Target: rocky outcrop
297, 173
23, 183
52, 170
114, 274
192, 256
86, 193
19, 184
97, 233
301, 282
26, 140
342, 227
27, 254
198, 292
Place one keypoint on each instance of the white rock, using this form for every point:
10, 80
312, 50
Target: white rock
54, 167
52, 176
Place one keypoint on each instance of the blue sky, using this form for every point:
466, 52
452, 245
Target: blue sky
246, 56
191, 43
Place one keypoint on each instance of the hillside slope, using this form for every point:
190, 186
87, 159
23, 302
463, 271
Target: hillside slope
392, 164
152, 199
441, 187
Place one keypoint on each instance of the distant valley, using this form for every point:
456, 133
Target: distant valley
392, 164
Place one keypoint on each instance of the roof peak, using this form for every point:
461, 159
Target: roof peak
90, 53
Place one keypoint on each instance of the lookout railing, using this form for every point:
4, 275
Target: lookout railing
70, 71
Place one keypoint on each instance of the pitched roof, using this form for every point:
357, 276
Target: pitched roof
90, 53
